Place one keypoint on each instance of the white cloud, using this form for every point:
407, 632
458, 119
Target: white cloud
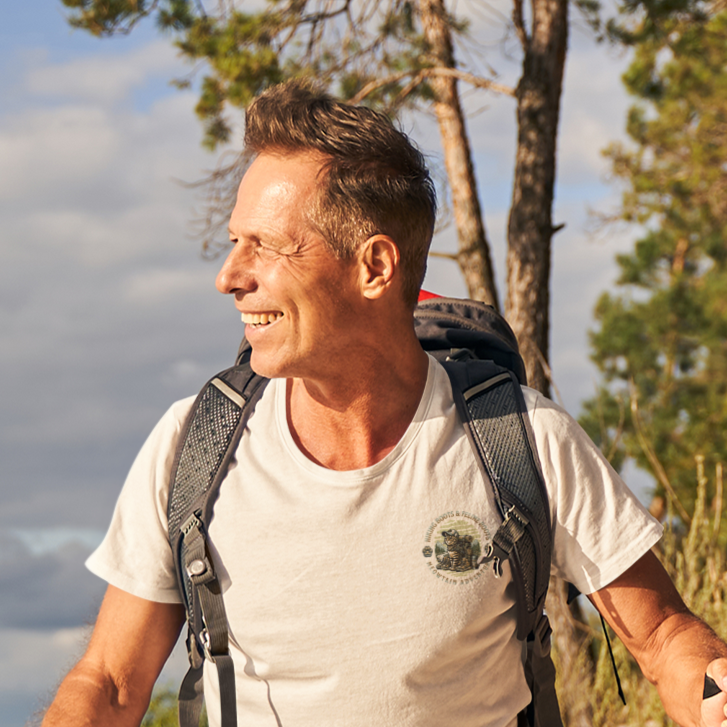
156, 287
97, 186
105, 78
27, 680
35, 661
185, 372
23, 672
48, 147
593, 112
45, 540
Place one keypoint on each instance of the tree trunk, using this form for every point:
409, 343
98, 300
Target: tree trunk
530, 230
530, 227
474, 252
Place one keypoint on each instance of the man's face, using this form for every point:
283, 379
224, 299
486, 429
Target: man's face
296, 298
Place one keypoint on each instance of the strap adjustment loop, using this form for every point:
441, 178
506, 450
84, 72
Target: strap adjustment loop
510, 531
206, 642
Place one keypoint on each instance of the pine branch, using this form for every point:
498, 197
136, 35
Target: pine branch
315, 18
444, 255
519, 23
651, 455
472, 79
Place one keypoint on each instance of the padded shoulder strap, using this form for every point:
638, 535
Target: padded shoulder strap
206, 445
207, 442
491, 404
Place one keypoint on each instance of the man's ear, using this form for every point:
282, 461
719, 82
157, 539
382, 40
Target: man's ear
380, 260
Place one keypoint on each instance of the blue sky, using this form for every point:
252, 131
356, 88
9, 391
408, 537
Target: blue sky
108, 313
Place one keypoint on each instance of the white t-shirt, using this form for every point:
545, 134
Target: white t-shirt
351, 596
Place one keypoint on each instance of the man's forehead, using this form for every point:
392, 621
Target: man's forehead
276, 177
276, 197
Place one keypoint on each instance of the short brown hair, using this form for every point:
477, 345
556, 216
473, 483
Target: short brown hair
376, 180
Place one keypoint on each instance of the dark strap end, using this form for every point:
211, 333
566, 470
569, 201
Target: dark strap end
710, 687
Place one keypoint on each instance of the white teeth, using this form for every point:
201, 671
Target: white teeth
258, 319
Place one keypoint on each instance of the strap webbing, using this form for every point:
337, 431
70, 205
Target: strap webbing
491, 405
191, 697
207, 444
492, 408
191, 694
209, 626
543, 710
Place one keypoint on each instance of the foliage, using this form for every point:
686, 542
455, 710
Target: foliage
344, 43
661, 341
648, 25
162, 711
392, 55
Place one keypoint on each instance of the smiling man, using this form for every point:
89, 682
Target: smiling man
353, 454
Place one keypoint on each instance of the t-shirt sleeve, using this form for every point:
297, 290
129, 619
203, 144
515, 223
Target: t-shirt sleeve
135, 555
600, 529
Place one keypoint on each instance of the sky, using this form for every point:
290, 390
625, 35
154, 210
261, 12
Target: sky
108, 313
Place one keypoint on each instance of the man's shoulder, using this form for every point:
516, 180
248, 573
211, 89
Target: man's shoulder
554, 428
167, 429
180, 408
535, 401
544, 412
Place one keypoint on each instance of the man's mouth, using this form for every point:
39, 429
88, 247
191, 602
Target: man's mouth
258, 320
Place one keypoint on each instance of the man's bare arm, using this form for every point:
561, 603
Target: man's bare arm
112, 683
672, 646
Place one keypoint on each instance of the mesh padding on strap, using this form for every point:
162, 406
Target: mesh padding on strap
207, 441
496, 419
206, 444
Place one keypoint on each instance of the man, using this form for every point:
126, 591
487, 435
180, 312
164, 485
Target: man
352, 459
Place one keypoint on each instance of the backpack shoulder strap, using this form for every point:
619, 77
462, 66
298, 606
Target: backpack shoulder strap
206, 445
491, 405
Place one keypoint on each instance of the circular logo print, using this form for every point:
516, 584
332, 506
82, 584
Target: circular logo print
453, 546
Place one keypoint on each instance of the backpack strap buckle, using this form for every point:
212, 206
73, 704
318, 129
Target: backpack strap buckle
510, 531
206, 642
495, 554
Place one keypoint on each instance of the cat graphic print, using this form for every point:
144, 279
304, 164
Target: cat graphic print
454, 544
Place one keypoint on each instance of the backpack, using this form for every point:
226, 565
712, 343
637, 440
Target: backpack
480, 354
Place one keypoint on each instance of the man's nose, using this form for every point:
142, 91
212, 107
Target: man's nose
236, 273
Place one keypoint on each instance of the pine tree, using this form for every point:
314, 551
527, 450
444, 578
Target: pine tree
661, 340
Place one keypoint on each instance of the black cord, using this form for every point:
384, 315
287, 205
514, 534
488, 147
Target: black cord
613, 661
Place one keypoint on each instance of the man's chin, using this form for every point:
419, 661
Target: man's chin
262, 365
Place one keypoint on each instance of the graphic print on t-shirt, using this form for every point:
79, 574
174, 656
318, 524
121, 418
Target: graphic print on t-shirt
454, 544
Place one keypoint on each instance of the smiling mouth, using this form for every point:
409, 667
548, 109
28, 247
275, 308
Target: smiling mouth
259, 320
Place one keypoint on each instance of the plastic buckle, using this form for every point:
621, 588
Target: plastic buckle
494, 554
194, 656
459, 354
204, 638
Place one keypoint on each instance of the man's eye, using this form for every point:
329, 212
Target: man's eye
267, 249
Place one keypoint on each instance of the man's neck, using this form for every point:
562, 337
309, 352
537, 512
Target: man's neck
355, 420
